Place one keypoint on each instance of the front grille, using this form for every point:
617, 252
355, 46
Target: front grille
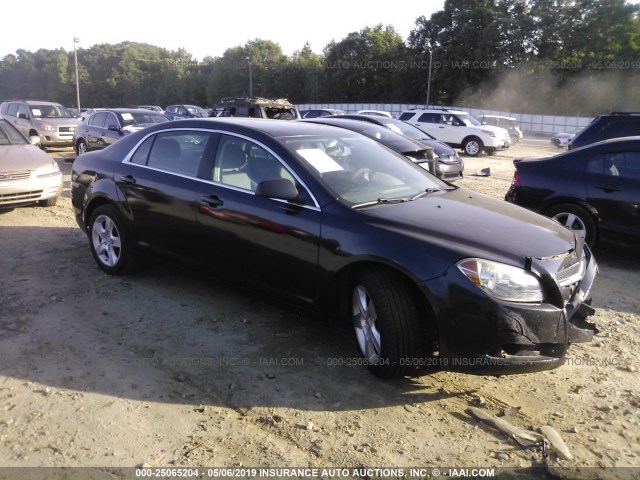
571, 270
66, 129
17, 175
20, 197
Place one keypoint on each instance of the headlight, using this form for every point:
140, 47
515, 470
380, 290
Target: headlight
48, 171
502, 281
46, 127
489, 132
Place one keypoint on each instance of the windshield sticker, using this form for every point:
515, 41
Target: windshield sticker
36, 112
319, 160
127, 116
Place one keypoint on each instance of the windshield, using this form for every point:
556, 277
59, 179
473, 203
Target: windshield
49, 111
358, 170
195, 110
468, 120
9, 135
139, 119
408, 130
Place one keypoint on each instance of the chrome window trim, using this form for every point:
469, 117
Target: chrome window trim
127, 159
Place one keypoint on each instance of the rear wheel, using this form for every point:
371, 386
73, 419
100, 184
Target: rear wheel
577, 219
109, 240
473, 146
81, 147
386, 323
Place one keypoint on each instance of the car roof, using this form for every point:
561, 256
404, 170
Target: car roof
365, 118
39, 102
399, 140
127, 110
270, 127
497, 116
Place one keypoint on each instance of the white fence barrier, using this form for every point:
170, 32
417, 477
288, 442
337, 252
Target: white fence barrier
548, 124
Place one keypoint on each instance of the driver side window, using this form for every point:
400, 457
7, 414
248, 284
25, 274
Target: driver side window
243, 164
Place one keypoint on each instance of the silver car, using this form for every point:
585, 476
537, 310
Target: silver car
48, 120
27, 174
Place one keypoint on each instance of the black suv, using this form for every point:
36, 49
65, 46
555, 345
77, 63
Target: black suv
604, 127
256, 107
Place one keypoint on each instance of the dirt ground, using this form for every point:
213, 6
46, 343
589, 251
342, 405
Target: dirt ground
165, 367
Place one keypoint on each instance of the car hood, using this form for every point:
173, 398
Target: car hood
59, 121
439, 148
22, 157
499, 131
473, 224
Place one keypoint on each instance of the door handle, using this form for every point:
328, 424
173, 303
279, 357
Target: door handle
440, 127
211, 201
128, 179
608, 188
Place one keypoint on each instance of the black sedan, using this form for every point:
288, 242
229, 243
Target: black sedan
107, 126
427, 273
449, 165
594, 190
418, 152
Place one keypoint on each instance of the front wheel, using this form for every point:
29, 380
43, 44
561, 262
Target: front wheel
577, 219
109, 240
472, 146
49, 202
386, 323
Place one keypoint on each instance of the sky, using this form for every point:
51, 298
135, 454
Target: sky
203, 28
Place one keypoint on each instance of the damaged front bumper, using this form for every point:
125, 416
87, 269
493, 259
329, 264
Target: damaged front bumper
482, 335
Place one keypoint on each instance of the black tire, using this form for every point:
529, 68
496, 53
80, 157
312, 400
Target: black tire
49, 202
81, 147
577, 219
473, 146
109, 240
396, 325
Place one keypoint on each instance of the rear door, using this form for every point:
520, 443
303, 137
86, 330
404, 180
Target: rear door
613, 185
111, 136
93, 131
439, 126
22, 119
159, 183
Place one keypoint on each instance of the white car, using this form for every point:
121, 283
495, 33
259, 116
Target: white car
562, 139
458, 129
379, 113
509, 123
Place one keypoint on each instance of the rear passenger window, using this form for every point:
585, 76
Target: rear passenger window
429, 118
621, 165
405, 116
97, 120
140, 157
13, 110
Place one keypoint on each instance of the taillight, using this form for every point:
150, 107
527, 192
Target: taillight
516, 179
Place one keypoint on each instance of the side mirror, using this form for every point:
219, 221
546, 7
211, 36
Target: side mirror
34, 140
113, 128
23, 115
279, 188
